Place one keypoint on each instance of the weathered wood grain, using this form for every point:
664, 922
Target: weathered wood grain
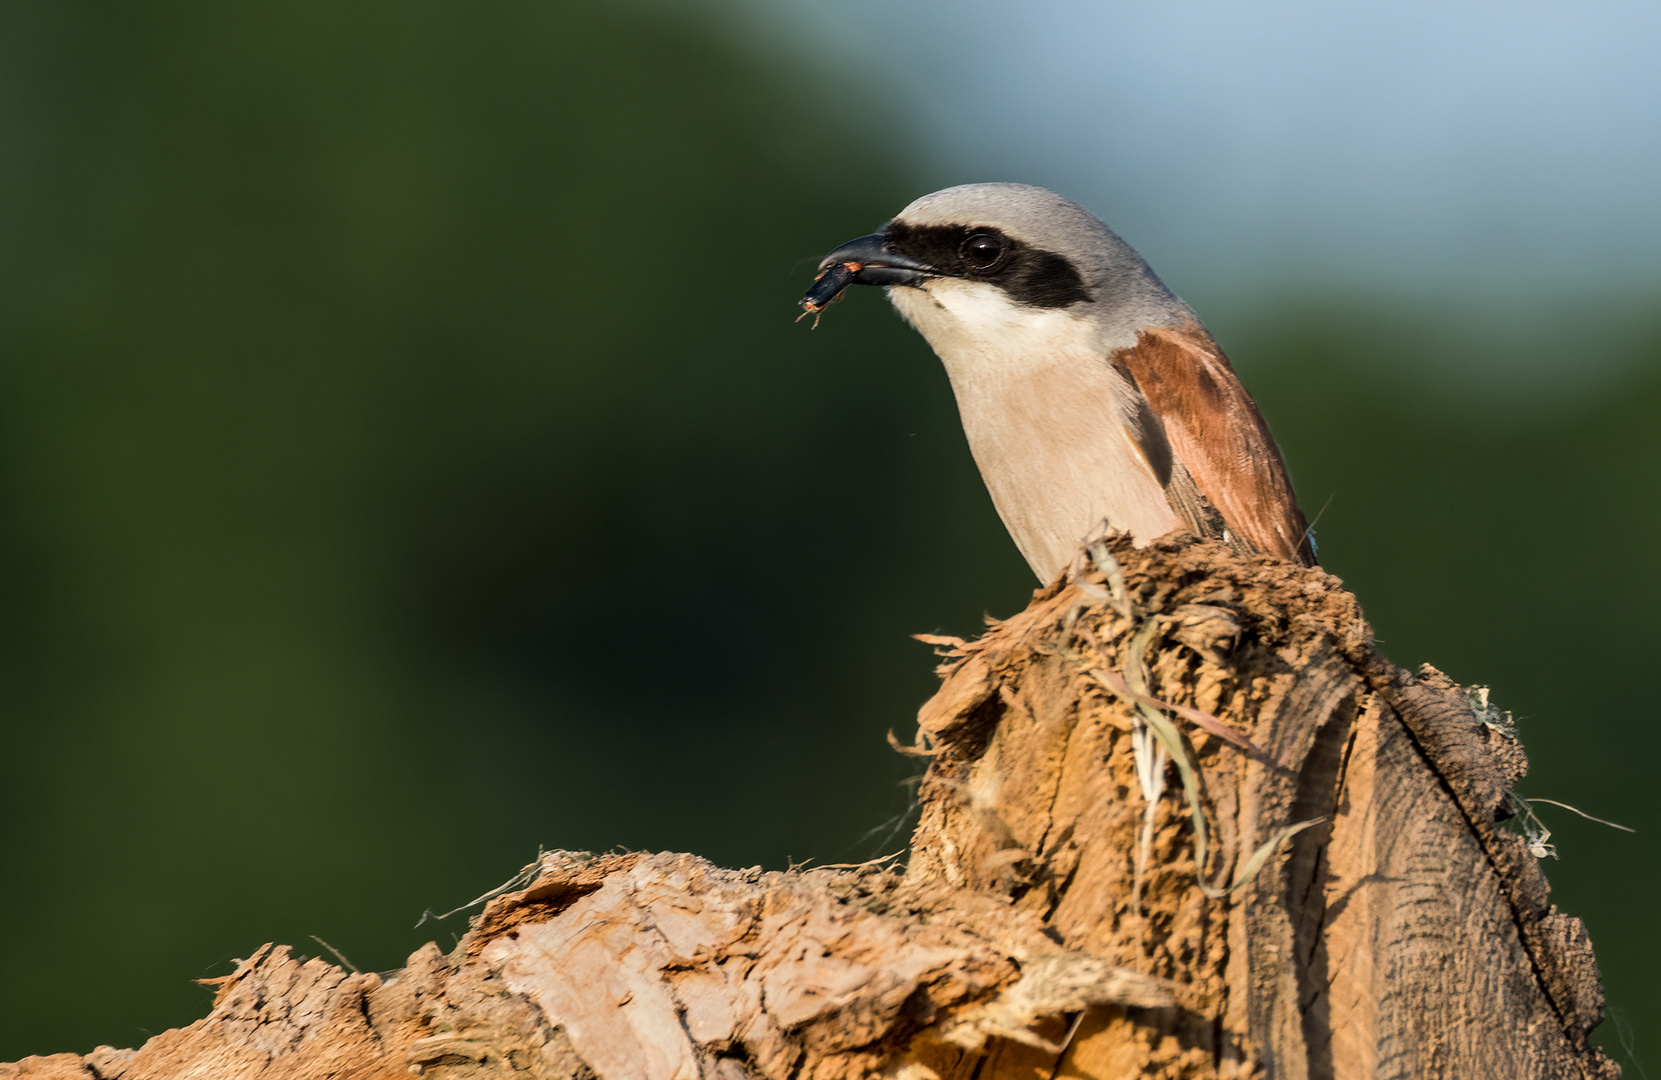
1046, 924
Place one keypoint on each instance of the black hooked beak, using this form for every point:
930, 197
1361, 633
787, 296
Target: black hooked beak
861, 262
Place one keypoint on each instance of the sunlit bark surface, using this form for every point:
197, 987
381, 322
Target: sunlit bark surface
1060, 914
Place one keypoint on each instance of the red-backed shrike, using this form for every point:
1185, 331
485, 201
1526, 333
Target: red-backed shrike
1088, 391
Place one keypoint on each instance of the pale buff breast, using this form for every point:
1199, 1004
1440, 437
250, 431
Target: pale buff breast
1048, 419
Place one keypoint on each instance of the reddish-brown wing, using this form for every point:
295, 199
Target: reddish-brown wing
1214, 428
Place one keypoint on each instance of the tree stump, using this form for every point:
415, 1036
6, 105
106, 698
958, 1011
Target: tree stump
1331, 893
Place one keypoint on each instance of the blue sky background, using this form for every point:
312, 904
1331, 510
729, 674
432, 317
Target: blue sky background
1376, 142
1500, 159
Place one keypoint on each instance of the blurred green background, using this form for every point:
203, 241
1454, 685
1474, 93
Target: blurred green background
407, 459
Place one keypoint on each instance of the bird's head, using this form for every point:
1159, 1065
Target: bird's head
985, 258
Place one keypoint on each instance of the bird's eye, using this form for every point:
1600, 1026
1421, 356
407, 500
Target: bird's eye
982, 251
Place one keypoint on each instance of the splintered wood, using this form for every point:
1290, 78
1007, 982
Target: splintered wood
1049, 923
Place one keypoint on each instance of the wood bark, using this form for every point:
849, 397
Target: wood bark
1048, 923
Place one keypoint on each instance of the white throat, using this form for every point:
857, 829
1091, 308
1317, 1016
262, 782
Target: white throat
1049, 420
